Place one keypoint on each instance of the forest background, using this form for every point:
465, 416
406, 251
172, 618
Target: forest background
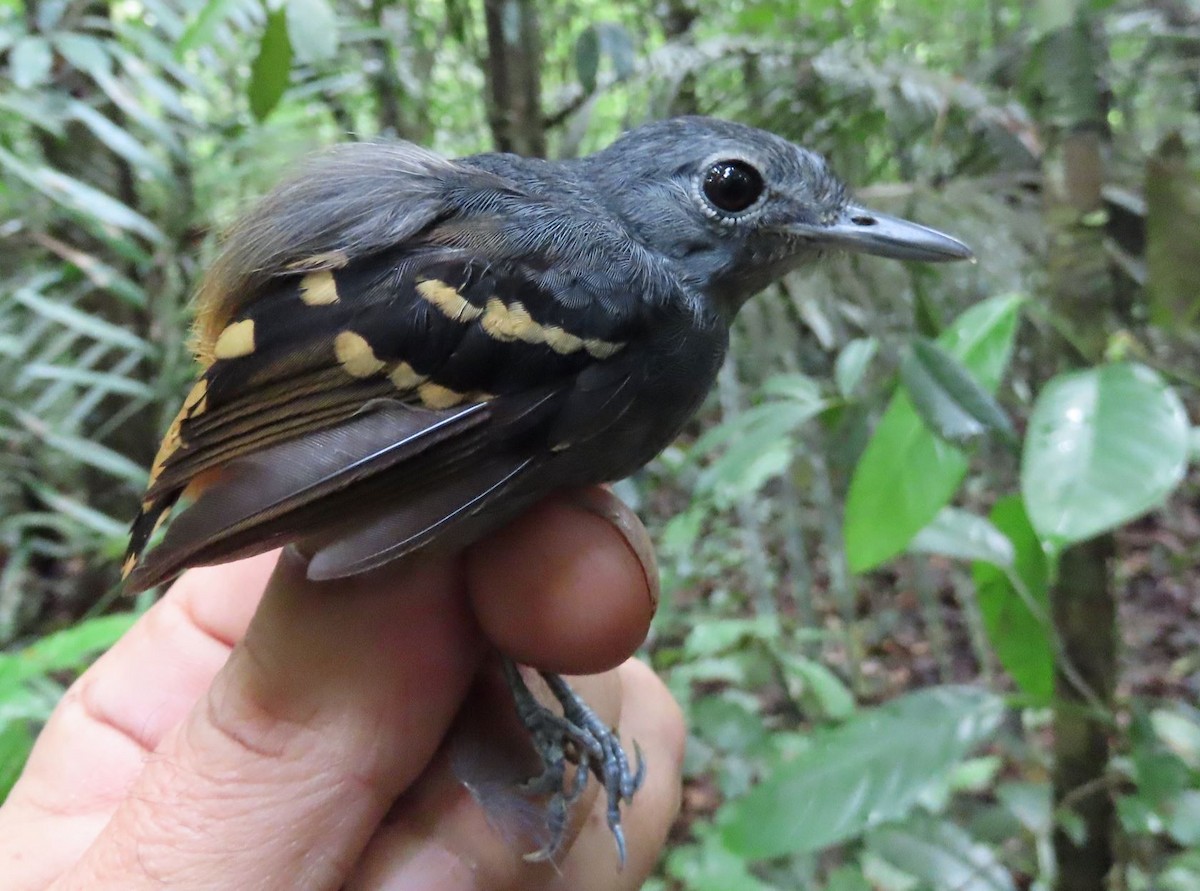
930, 551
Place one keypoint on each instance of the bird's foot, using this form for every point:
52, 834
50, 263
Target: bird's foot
579, 737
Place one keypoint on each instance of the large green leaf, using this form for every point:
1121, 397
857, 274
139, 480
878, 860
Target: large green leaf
272, 66
30, 61
866, 772
1104, 445
906, 473
964, 536
587, 58
312, 29
1019, 637
941, 856
948, 398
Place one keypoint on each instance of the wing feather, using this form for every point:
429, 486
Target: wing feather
385, 345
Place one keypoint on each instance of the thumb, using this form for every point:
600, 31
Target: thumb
332, 704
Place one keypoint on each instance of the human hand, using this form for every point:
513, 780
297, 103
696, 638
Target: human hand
295, 739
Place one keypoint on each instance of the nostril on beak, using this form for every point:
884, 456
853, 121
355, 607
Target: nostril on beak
863, 220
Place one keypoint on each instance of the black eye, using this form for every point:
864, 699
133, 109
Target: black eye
732, 186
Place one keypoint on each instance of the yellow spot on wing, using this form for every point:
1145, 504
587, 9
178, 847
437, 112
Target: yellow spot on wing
405, 378
601, 349
127, 567
196, 400
235, 341
318, 288
327, 260
512, 322
437, 396
355, 355
193, 404
449, 301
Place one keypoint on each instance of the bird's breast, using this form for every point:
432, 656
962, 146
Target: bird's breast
630, 410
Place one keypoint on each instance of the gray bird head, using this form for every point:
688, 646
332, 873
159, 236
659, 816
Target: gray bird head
736, 207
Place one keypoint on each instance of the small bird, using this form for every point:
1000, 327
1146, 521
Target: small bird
400, 352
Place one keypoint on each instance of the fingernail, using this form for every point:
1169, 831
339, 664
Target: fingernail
604, 504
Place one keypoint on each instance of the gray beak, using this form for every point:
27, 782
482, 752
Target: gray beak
870, 232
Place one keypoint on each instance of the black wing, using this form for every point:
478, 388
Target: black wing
371, 404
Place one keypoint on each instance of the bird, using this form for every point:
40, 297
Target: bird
399, 352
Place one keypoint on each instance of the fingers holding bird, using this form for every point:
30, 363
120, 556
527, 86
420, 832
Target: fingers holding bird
332, 700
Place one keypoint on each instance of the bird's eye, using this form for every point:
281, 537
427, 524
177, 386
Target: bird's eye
732, 186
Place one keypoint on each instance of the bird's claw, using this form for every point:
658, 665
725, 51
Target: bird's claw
577, 736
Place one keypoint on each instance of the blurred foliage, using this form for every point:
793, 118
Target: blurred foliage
875, 498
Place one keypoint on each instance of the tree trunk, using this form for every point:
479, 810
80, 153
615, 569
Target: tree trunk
514, 77
1082, 297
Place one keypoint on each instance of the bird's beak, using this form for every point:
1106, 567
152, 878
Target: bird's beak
870, 232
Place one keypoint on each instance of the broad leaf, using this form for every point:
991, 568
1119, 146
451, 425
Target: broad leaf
964, 536
941, 855
272, 66
852, 363
312, 30
587, 58
948, 398
907, 474
30, 61
1020, 638
868, 771
1104, 446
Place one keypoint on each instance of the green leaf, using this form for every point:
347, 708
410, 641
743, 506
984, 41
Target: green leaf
84, 52
709, 866
30, 62
948, 398
85, 451
88, 517
203, 27
80, 198
587, 58
84, 323
1031, 805
312, 30
272, 66
852, 364
68, 650
963, 536
718, 635
819, 689
1104, 446
761, 450
906, 474
16, 742
1180, 733
941, 855
1183, 818
120, 140
617, 42
1019, 637
868, 771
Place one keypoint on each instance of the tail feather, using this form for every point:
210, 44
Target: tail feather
152, 515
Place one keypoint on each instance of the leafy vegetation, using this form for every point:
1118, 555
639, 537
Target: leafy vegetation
933, 525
